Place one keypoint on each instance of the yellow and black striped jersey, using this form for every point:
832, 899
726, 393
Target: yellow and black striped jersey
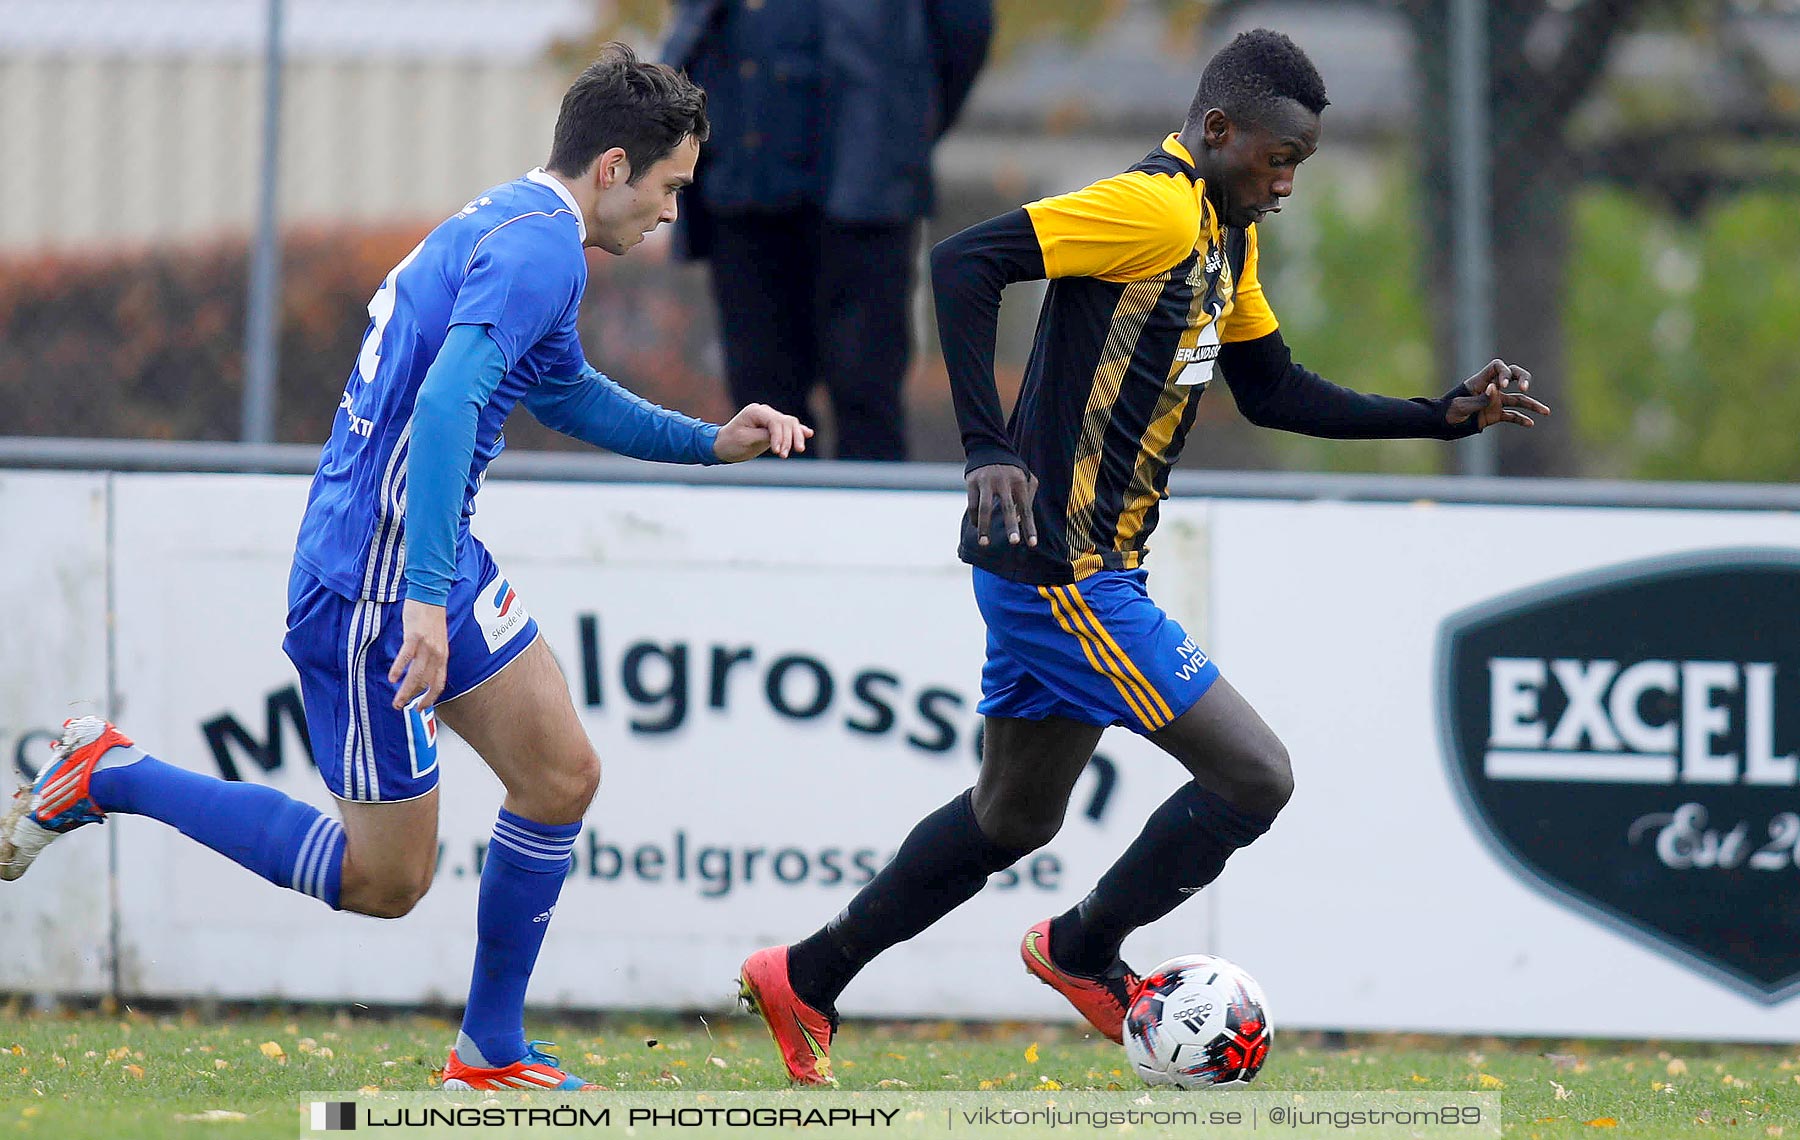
1148, 294
1145, 288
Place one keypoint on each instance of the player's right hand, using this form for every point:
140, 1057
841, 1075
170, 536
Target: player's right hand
1009, 488
424, 657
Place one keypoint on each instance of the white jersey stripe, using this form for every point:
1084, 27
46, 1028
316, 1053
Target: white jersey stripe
371, 770
381, 576
360, 779
533, 214
350, 646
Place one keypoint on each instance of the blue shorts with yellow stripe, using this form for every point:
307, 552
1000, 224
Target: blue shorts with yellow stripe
1097, 651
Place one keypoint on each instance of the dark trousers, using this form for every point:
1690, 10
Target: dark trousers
805, 301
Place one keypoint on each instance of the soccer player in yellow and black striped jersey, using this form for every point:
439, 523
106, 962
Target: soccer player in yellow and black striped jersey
1154, 290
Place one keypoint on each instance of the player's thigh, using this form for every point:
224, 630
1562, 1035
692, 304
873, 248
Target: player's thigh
390, 854
523, 724
1028, 772
1228, 747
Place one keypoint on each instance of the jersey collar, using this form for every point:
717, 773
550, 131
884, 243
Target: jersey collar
543, 178
1173, 146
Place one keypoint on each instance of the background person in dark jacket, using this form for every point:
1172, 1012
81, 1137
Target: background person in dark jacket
808, 196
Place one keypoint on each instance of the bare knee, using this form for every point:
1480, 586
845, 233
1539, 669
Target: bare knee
581, 783
560, 795
1021, 827
1264, 781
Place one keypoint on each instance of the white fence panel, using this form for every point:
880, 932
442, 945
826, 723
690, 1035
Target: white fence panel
1376, 902
53, 651
780, 684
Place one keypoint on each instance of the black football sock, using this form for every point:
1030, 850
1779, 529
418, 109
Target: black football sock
943, 863
1182, 848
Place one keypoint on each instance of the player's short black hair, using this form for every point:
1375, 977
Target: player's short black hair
619, 100
1255, 71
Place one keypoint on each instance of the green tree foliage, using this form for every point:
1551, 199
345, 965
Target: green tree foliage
1345, 288
1683, 357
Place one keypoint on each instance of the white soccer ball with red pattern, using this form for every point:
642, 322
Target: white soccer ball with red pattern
1198, 1022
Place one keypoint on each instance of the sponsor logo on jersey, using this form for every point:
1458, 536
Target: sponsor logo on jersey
500, 612
1199, 356
1193, 660
1627, 742
421, 738
358, 424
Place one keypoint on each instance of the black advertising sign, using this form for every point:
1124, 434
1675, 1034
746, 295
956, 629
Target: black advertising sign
1628, 740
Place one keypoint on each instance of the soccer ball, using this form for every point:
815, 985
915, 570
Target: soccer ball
1198, 1022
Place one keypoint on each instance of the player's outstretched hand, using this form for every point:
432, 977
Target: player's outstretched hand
1497, 395
1011, 489
759, 428
424, 656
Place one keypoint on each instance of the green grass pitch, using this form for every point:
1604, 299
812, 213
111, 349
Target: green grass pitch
238, 1073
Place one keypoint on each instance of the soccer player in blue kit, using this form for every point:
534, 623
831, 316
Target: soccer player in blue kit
1153, 283
396, 612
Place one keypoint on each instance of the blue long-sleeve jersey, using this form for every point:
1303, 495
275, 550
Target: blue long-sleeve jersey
478, 317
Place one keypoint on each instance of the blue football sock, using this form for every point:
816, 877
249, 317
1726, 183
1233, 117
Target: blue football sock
287, 842
521, 879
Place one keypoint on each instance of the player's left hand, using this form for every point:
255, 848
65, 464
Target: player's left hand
759, 428
1496, 395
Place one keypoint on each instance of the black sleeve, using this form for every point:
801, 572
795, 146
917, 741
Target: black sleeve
968, 271
960, 31
1273, 391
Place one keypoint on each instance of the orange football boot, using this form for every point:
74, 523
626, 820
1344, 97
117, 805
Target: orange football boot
802, 1033
535, 1070
1102, 1000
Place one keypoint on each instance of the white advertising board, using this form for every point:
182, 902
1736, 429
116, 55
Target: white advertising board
1396, 893
53, 656
1546, 761
779, 683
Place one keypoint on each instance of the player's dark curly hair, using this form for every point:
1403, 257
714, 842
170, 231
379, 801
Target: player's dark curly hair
618, 100
1252, 73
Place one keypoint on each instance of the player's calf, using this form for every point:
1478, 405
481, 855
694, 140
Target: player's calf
391, 893
390, 856
95, 771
